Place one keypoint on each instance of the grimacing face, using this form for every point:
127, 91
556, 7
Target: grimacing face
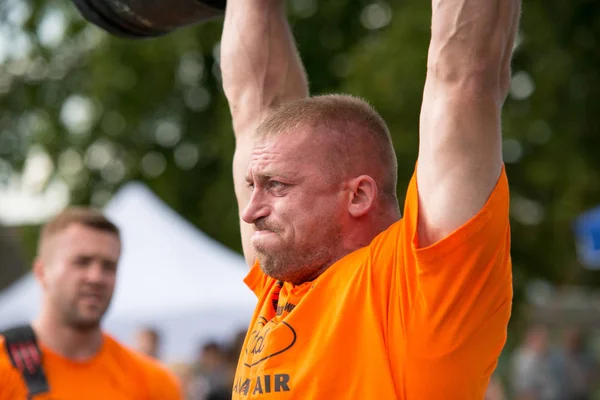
296, 211
79, 271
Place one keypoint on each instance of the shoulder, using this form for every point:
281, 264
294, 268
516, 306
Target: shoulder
129, 355
157, 371
163, 383
11, 384
5, 363
486, 231
257, 280
159, 378
3, 354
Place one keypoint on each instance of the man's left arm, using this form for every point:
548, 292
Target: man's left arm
468, 76
457, 281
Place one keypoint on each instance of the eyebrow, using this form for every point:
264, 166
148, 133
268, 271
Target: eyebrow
259, 176
266, 175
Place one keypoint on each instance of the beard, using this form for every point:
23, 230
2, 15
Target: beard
83, 324
78, 318
301, 262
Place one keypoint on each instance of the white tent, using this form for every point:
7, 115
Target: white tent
171, 276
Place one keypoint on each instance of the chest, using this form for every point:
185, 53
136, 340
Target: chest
93, 382
313, 344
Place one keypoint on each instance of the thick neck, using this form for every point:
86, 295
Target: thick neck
74, 344
363, 231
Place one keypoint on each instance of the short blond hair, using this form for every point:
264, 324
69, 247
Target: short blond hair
85, 216
359, 132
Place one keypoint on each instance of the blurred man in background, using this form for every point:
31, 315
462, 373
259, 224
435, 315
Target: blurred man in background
579, 374
535, 372
65, 354
542, 370
495, 390
355, 302
148, 342
211, 368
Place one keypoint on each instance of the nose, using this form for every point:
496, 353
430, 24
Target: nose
256, 208
96, 273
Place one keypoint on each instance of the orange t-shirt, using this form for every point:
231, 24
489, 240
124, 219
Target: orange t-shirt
115, 373
388, 321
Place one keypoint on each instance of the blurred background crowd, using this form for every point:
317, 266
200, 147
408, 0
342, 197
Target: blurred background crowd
546, 364
210, 373
549, 368
141, 129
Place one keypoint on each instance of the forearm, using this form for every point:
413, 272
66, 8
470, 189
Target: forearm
259, 61
472, 42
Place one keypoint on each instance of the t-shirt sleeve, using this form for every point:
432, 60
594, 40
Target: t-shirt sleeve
462, 295
256, 279
452, 299
12, 386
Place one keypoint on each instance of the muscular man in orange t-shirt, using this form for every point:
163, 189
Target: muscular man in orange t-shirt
355, 302
76, 267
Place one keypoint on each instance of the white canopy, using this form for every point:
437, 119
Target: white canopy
171, 276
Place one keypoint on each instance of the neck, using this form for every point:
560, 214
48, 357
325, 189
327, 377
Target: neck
74, 344
361, 235
368, 227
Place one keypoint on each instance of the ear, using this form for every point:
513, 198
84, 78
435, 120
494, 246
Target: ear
363, 195
39, 271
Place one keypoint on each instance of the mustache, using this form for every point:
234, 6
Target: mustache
262, 225
93, 290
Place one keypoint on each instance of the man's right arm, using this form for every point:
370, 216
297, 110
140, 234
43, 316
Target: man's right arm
261, 69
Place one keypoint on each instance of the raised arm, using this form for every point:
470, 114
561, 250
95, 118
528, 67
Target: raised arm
261, 69
468, 76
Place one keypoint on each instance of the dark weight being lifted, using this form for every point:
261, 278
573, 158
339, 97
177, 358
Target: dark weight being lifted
138, 19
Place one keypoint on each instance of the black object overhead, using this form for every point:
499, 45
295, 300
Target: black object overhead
138, 19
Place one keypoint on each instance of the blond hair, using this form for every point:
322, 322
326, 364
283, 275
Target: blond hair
361, 138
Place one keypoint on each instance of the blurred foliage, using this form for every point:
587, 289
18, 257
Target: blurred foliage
11, 257
157, 112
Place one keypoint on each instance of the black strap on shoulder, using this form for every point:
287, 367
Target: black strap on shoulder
25, 354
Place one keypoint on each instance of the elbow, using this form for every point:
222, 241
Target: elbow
449, 61
478, 78
477, 70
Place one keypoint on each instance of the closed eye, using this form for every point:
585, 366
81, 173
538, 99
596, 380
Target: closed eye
249, 182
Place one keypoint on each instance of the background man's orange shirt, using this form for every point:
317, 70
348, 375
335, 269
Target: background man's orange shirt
388, 321
115, 373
